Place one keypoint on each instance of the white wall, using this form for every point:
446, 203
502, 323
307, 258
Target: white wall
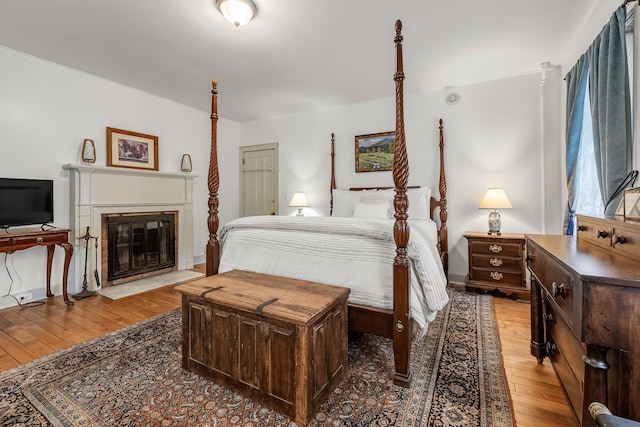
492, 138
46, 111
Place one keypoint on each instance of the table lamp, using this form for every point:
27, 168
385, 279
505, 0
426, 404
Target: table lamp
299, 200
495, 198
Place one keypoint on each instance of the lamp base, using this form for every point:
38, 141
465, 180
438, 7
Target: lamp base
494, 222
299, 213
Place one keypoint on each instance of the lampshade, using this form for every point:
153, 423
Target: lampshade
238, 12
299, 200
495, 198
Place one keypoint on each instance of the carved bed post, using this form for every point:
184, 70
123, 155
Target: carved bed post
333, 172
213, 180
444, 232
401, 326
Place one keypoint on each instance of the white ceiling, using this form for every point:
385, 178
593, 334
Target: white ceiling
296, 55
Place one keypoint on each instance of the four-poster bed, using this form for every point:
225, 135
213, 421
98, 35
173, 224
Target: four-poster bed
388, 317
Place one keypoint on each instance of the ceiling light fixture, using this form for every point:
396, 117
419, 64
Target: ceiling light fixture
238, 12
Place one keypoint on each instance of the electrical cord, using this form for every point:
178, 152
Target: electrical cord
8, 294
630, 179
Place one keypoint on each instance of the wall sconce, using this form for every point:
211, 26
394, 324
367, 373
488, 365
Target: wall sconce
88, 151
495, 198
185, 163
299, 200
238, 12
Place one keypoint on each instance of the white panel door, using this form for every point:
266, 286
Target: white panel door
259, 180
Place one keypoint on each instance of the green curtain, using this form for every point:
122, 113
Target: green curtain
604, 66
611, 107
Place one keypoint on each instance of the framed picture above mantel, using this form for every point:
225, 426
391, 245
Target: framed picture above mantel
374, 152
126, 149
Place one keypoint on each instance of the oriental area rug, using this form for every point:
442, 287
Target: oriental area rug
133, 377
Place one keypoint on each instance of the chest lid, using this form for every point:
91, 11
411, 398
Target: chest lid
289, 300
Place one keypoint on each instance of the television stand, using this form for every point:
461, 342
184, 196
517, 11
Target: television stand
13, 241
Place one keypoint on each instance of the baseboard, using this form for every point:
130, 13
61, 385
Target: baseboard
456, 278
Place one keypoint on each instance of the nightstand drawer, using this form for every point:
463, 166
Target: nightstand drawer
496, 248
496, 276
496, 262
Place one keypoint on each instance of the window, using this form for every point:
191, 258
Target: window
589, 198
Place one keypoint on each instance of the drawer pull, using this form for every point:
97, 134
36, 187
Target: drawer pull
558, 290
531, 256
602, 234
39, 240
496, 262
495, 248
496, 275
548, 317
619, 239
552, 349
582, 227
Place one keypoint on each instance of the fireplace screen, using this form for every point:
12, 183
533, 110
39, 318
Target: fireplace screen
140, 244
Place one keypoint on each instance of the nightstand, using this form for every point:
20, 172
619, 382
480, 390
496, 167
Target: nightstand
497, 264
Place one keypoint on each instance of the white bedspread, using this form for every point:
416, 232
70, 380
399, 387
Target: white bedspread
352, 252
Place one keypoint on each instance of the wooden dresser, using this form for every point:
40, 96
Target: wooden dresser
497, 263
585, 313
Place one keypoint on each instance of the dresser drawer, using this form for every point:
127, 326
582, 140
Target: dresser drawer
594, 231
488, 247
535, 262
497, 262
558, 283
569, 382
626, 242
565, 340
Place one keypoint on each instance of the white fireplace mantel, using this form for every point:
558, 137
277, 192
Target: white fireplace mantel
98, 190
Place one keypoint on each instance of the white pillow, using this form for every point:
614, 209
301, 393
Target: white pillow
371, 210
380, 197
344, 202
419, 202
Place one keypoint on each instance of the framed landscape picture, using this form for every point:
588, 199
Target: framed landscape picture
126, 149
374, 152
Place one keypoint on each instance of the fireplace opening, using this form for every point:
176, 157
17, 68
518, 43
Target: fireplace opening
139, 244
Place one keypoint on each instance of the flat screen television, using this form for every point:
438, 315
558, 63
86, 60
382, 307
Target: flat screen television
25, 202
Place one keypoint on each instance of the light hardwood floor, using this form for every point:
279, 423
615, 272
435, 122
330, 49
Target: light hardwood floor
29, 333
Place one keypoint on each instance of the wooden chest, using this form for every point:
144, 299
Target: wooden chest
280, 341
